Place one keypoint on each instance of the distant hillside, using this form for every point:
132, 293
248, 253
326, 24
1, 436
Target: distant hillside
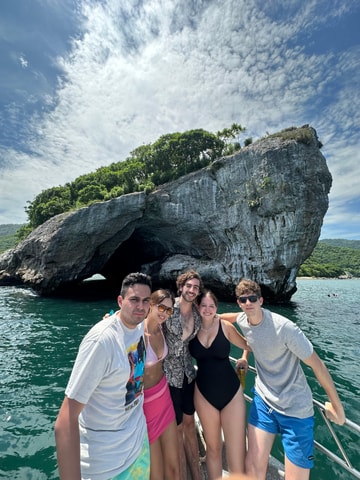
8, 236
333, 258
9, 229
340, 242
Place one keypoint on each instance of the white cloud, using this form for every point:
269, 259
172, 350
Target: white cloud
23, 62
139, 72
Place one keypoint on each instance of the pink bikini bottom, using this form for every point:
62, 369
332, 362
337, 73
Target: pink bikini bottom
158, 409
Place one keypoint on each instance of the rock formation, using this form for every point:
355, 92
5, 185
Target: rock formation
255, 214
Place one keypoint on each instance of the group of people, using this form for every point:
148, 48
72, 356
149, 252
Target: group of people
128, 411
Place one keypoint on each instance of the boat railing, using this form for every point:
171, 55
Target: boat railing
343, 461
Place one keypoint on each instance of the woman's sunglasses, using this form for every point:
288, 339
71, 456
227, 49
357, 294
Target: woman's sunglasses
251, 298
163, 308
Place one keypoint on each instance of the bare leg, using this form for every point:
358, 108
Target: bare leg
211, 423
191, 446
156, 462
293, 472
170, 452
182, 456
233, 425
259, 448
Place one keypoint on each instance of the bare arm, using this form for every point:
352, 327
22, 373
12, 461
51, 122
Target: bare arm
68, 440
333, 409
234, 336
230, 316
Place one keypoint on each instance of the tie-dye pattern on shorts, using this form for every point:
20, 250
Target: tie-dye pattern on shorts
140, 469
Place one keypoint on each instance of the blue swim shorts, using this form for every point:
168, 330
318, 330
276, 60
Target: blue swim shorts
140, 468
297, 434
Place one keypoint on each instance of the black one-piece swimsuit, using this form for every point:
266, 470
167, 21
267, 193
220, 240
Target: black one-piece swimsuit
216, 378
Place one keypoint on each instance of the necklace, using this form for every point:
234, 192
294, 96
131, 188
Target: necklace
209, 328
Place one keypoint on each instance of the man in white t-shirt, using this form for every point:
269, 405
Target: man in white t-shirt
282, 401
101, 430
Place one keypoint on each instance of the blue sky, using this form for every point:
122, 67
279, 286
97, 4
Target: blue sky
84, 82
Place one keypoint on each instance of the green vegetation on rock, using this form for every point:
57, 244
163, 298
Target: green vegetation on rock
170, 157
148, 166
302, 135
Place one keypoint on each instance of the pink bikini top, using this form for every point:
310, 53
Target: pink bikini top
151, 357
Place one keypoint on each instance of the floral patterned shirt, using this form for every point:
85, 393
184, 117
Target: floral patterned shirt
178, 360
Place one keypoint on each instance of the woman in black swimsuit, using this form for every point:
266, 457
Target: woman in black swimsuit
219, 400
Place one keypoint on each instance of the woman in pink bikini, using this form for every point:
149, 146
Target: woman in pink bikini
158, 406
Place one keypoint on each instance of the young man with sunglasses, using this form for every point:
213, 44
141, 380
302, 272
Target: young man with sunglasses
179, 370
282, 397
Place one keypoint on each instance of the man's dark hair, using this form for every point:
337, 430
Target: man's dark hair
184, 277
133, 278
246, 287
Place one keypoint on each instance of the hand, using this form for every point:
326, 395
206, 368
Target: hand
242, 363
336, 416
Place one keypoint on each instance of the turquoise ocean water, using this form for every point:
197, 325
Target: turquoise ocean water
39, 339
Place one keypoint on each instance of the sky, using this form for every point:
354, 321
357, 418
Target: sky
85, 82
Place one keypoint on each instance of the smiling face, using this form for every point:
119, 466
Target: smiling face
162, 310
190, 290
161, 306
207, 307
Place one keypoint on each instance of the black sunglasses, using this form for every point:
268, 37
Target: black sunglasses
251, 298
163, 308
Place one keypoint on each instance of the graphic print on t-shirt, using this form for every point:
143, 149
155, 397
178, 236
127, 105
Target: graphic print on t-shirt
136, 356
